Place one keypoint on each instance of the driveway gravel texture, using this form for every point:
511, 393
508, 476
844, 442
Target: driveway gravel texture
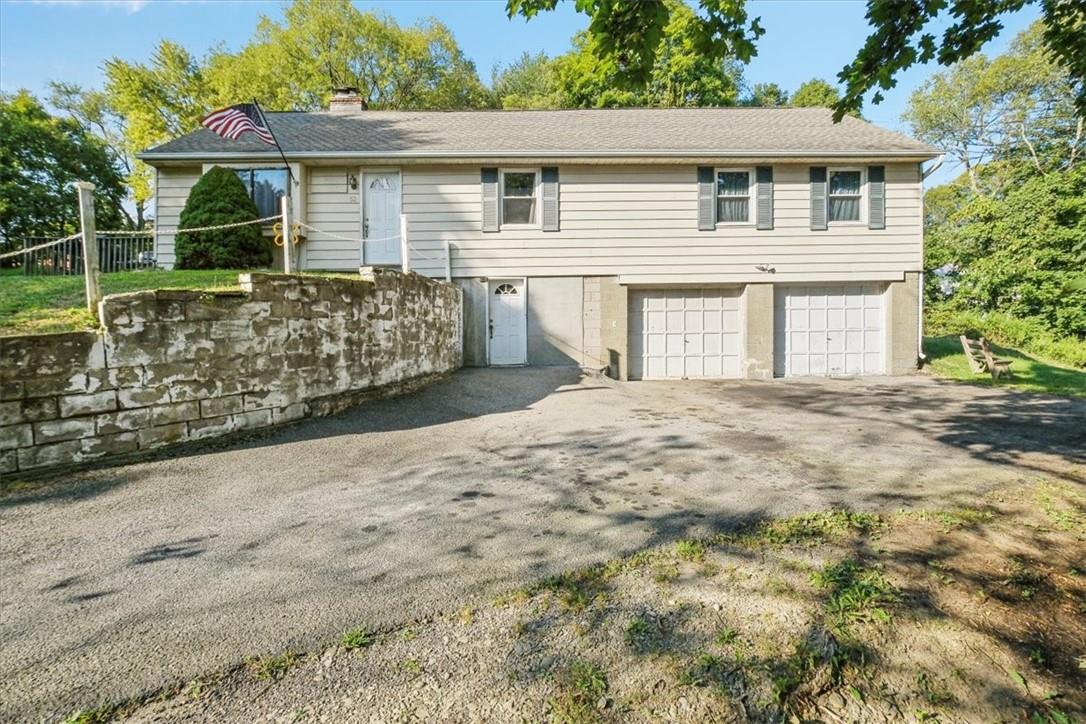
120, 581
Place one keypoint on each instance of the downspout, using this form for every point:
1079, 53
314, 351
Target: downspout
920, 356
920, 322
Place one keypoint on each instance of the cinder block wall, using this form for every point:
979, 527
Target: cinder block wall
171, 366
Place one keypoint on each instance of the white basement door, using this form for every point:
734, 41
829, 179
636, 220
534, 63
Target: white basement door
829, 330
677, 333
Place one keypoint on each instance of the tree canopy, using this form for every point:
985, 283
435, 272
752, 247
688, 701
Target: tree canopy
680, 76
1017, 106
40, 157
1009, 235
627, 33
288, 65
815, 93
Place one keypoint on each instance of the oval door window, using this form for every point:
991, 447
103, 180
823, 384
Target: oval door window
505, 289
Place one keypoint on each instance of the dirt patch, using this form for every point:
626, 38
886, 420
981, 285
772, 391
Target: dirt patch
972, 614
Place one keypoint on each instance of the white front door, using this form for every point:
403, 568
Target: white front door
381, 218
507, 323
829, 330
681, 333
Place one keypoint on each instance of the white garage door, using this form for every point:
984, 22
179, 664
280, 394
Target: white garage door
684, 333
829, 330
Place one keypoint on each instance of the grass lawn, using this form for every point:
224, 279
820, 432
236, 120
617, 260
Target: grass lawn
41, 304
1030, 374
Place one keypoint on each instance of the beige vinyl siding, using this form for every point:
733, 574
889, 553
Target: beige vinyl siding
171, 191
641, 223
331, 206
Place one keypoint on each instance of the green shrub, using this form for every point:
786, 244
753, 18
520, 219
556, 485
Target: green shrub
1029, 334
219, 197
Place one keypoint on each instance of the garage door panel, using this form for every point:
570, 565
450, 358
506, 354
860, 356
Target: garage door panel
829, 330
674, 367
684, 333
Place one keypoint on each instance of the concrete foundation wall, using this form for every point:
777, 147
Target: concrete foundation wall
474, 320
614, 322
171, 366
555, 321
584, 321
758, 351
903, 325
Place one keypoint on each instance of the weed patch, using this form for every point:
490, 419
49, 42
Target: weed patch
100, 715
857, 594
582, 694
272, 667
1023, 578
813, 529
578, 590
1065, 508
357, 638
690, 550
704, 670
951, 520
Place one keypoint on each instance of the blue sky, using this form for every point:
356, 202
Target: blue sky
69, 39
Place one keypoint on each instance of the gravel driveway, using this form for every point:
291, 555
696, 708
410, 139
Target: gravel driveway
119, 581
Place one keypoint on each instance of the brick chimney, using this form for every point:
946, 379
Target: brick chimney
346, 101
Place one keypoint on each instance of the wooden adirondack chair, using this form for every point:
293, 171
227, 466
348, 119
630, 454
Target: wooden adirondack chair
981, 358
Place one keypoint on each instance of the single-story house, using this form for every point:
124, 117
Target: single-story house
660, 243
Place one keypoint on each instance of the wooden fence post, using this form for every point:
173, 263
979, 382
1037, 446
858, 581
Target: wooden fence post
90, 243
284, 204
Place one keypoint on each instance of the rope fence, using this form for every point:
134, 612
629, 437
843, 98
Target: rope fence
123, 250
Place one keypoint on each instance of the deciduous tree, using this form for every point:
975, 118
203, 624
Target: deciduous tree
627, 33
815, 93
40, 157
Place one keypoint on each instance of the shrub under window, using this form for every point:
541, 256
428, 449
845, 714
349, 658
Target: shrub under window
219, 198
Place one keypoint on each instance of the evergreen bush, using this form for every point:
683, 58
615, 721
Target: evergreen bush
219, 197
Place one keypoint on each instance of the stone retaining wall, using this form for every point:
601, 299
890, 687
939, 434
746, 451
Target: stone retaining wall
171, 366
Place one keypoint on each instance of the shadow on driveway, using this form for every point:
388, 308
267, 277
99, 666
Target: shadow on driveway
127, 579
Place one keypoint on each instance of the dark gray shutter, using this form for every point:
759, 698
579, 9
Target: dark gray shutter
818, 198
550, 198
706, 199
764, 177
876, 197
490, 199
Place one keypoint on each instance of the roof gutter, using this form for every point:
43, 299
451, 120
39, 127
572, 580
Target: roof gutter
152, 155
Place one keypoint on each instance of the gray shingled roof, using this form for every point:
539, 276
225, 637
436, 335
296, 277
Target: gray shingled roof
604, 132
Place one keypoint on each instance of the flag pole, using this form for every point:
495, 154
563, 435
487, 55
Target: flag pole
282, 155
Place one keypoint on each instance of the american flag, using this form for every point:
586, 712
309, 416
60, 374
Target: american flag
235, 120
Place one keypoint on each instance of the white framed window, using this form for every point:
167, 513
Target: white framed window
734, 193
520, 197
846, 188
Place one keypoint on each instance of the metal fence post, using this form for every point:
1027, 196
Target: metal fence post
90, 243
